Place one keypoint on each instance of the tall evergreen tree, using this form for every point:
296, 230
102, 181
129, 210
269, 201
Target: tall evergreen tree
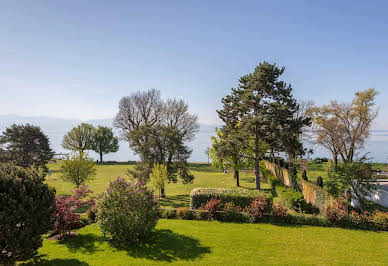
265, 109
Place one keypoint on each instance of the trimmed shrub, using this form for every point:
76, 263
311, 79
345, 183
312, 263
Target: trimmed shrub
258, 207
362, 220
127, 212
26, 212
213, 206
184, 213
232, 213
242, 198
279, 211
381, 220
168, 213
294, 200
335, 212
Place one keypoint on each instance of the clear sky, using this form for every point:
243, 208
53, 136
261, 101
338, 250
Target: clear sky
76, 59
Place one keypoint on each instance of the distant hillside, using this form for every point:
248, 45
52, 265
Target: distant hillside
56, 128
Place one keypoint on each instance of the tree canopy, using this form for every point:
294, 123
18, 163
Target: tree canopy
104, 142
79, 138
158, 131
26, 145
264, 108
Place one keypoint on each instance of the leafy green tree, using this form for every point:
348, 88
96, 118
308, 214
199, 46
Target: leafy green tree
357, 175
104, 142
26, 145
26, 212
159, 178
79, 138
78, 168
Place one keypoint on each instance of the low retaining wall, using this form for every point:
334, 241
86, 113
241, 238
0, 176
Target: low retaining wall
312, 193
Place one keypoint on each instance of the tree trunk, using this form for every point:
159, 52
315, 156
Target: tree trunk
237, 176
162, 194
257, 161
100, 157
335, 160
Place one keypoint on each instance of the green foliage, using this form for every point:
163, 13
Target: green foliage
79, 138
26, 145
294, 200
78, 168
242, 198
358, 176
26, 212
159, 177
127, 212
184, 213
104, 142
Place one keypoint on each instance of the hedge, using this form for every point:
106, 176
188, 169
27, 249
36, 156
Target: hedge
312, 193
242, 198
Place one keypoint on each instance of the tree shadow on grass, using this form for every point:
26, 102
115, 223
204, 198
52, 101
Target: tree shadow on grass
84, 243
168, 246
175, 201
41, 260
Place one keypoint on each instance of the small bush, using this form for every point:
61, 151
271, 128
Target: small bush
92, 214
335, 212
232, 213
381, 220
361, 220
168, 213
279, 211
67, 217
242, 198
184, 213
127, 212
257, 208
212, 207
26, 212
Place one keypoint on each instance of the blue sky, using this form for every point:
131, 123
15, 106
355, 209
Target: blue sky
76, 59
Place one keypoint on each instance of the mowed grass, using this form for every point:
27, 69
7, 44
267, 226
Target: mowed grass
177, 194
214, 243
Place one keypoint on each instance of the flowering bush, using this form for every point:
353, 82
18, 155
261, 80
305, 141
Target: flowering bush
257, 208
26, 208
335, 212
232, 213
127, 212
66, 206
381, 220
184, 213
279, 211
213, 206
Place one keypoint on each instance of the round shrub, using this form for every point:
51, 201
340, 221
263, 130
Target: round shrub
26, 212
127, 212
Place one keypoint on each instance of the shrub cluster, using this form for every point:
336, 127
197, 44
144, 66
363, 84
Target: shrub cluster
295, 200
242, 198
336, 214
127, 212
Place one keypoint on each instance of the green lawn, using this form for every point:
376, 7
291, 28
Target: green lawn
215, 243
177, 194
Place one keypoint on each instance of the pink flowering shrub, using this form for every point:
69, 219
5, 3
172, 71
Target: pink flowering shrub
127, 212
66, 206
